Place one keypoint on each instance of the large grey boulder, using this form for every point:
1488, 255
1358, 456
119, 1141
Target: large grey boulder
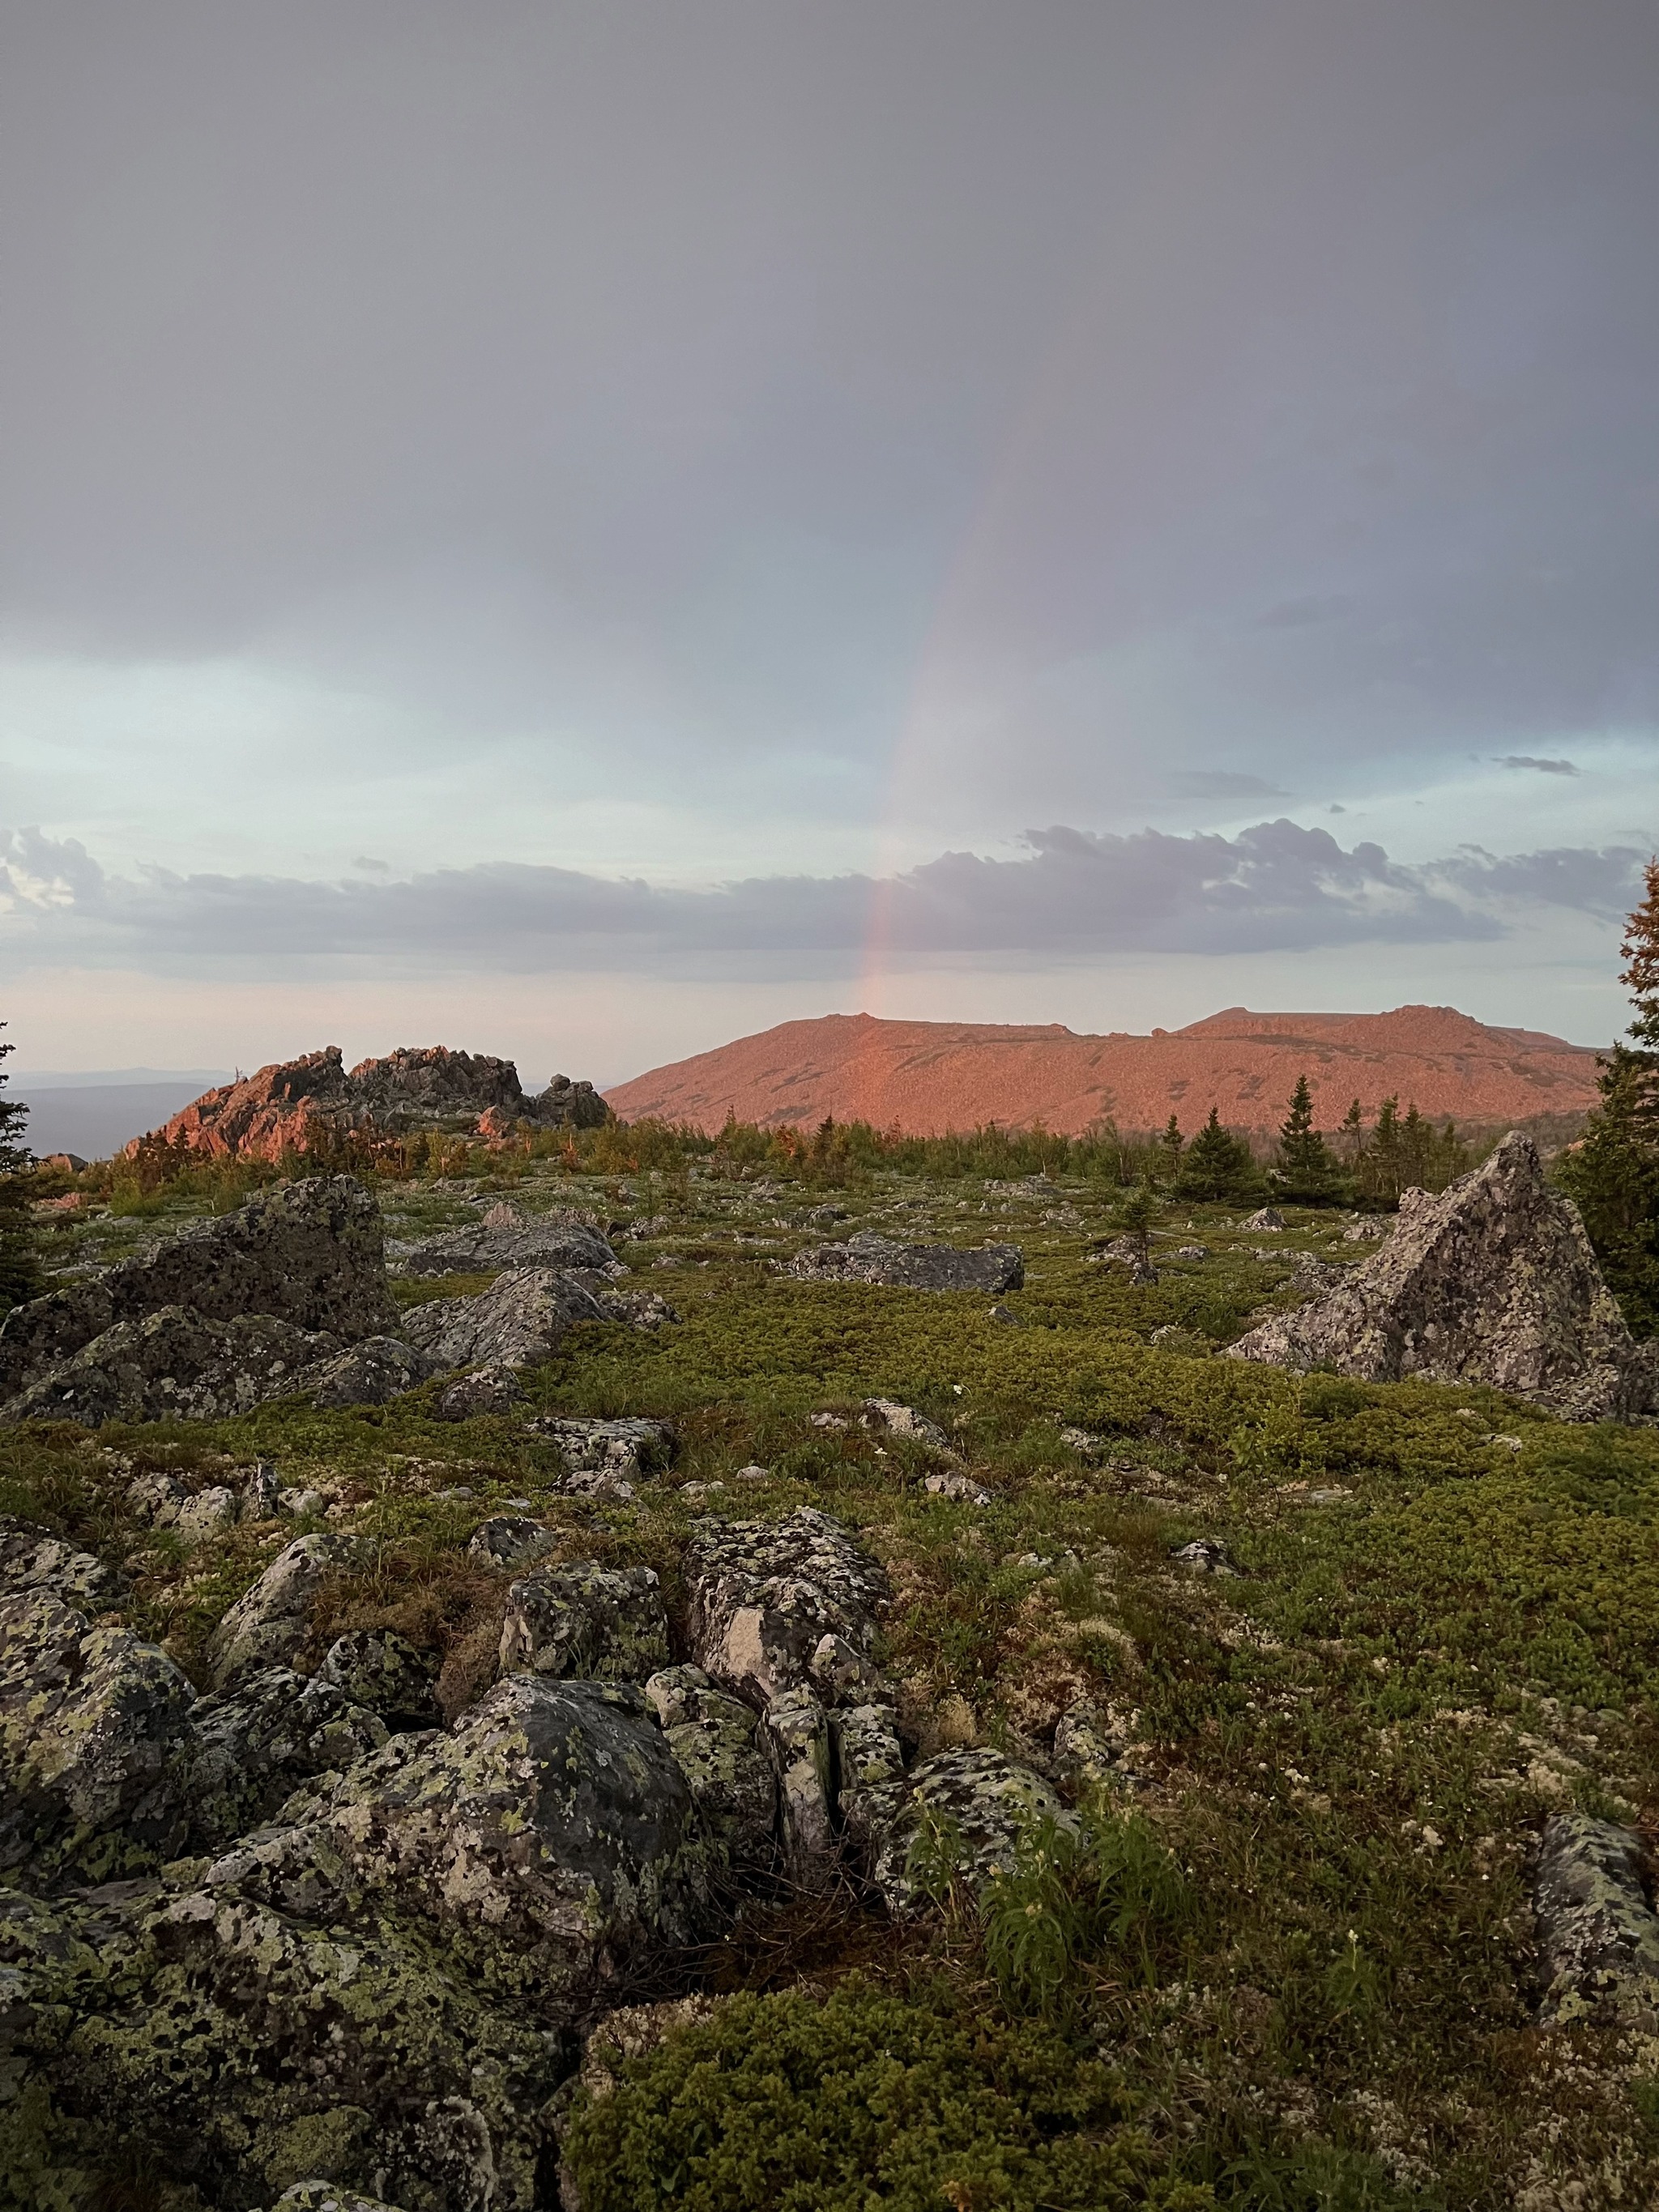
964, 1810
268, 1625
551, 1835
382, 1672
250, 1752
601, 1624
1598, 1935
94, 1733
172, 1364
1491, 1282
869, 1258
506, 1238
519, 1321
310, 1254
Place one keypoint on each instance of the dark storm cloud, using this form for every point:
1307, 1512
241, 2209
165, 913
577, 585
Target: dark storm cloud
1275, 887
684, 377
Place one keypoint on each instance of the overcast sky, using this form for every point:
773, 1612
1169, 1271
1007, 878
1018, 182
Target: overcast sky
585, 531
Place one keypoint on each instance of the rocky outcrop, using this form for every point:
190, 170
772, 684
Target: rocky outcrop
507, 1238
33, 1560
1491, 1282
713, 1738
519, 1321
372, 1373
174, 1365
510, 1541
382, 1672
626, 1449
294, 1106
269, 1625
1598, 1935
869, 1258
94, 1734
309, 1255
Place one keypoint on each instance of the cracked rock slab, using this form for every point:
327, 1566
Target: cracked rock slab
869, 1258
587, 1621
519, 1321
764, 1594
978, 1802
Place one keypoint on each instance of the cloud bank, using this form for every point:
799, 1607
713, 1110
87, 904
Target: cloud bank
1071, 895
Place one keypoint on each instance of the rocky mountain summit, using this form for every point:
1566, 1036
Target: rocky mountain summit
287, 1107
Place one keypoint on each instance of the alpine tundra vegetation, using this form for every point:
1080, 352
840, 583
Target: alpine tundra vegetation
643, 1670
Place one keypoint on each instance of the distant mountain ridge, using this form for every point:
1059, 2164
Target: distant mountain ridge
929, 1077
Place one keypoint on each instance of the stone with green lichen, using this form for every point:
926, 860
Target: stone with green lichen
249, 1753
1598, 1934
382, 1672
713, 1738
975, 1803
268, 1627
587, 1621
94, 1738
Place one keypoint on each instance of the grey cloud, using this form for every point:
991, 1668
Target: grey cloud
680, 376
1543, 767
1225, 783
1073, 894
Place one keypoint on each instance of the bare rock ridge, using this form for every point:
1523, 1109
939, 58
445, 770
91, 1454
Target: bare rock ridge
286, 1106
930, 1077
288, 1296
1493, 1282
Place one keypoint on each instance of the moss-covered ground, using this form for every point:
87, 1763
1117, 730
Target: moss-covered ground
1442, 1622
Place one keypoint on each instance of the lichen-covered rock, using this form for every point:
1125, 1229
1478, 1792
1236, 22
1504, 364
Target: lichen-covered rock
506, 1238
205, 1516
328, 2197
1491, 1282
549, 1835
250, 2049
1085, 1753
891, 1418
310, 1254
591, 1622
519, 1321
797, 1734
1266, 1220
976, 1803
869, 1258
384, 1673
94, 1726
250, 1752
637, 1308
492, 1389
267, 1627
1598, 1935
371, 1373
869, 1758
31, 1560
510, 1539
733, 1786
625, 1449
172, 1365
763, 1595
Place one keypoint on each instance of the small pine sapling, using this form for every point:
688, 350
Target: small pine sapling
1305, 1172
19, 1261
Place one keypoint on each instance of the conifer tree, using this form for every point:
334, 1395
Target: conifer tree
1218, 1164
1305, 1172
1613, 1175
19, 1276
1166, 1165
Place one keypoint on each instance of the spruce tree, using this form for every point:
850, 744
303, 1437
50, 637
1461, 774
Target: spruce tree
1613, 1174
1218, 1164
1305, 1172
1166, 1163
18, 1273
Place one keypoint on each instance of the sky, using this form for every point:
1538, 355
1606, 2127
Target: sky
585, 531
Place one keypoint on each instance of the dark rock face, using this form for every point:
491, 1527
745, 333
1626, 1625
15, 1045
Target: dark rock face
509, 1539
489, 1390
94, 1733
516, 1322
309, 1254
1598, 1936
382, 1672
868, 1258
764, 1594
506, 1238
30, 1560
715, 1744
1492, 1282
591, 1622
